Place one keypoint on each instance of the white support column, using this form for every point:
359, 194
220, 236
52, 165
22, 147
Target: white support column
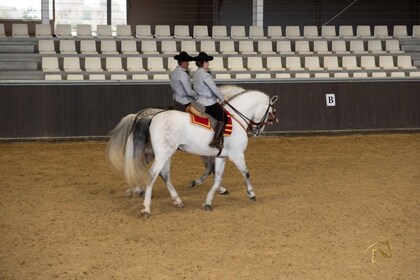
45, 11
257, 12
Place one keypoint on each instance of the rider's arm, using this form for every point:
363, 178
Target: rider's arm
208, 80
186, 84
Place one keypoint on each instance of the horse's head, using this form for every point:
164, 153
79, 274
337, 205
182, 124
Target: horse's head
255, 108
264, 114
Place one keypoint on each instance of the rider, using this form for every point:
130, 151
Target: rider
210, 96
183, 94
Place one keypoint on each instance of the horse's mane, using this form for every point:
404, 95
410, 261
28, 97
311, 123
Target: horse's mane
230, 91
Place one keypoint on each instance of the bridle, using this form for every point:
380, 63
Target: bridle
268, 117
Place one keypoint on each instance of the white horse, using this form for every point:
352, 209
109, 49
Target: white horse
169, 130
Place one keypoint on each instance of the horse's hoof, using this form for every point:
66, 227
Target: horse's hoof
129, 193
226, 192
145, 214
254, 198
207, 207
179, 205
191, 184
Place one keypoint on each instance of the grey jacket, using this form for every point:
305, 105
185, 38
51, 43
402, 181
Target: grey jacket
205, 87
181, 86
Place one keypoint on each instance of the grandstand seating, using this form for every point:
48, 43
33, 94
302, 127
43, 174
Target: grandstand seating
317, 52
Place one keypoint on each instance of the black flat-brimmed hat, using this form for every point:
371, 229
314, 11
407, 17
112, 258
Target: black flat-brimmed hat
183, 56
202, 56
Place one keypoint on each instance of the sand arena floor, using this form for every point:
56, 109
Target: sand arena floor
321, 201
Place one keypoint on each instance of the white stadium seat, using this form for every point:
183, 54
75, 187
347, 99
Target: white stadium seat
162, 31
209, 47
46, 47
274, 32
346, 31
219, 32
164, 77
310, 32
243, 76
140, 77
238, 32
108, 47
274, 63
375, 46
182, 32
124, 31
53, 77
246, 47
43, 31
312, 63
350, 63
387, 63
284, 47
20, 30
129, 47
227, 47
84, 30
201, 32
104, 31
97, 77
404, 62
217, 64
135, 64
169, 47
88, 47
328, 31
393, 46
331, 63
93, 64
256, 32
114, 64
339, 47
50, 64
368, 63
357, 46
416, 31
293, 63
118, 77
189, 47
63, 30
75, 77
67, 47
2, 33
302, 47
381, 31
149, 47
265, 47
235, 64
223, 76
155, 64
71, 64
363, 31
282, 76
254, 63
400, 31
321, 47
293, 32
143, 31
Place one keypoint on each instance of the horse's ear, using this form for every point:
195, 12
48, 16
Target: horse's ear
274, 99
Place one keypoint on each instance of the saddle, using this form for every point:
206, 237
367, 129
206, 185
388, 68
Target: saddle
207, 121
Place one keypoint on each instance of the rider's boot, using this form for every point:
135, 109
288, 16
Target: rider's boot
218, 135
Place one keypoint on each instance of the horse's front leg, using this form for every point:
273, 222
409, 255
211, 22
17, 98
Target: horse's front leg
165, 174
218, 176
240, 164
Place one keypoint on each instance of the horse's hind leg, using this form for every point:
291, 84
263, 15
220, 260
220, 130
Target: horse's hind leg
219, 170
165, 174
209, 165
138, 190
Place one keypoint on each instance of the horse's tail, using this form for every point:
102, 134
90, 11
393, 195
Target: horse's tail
135, 162
116, 145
